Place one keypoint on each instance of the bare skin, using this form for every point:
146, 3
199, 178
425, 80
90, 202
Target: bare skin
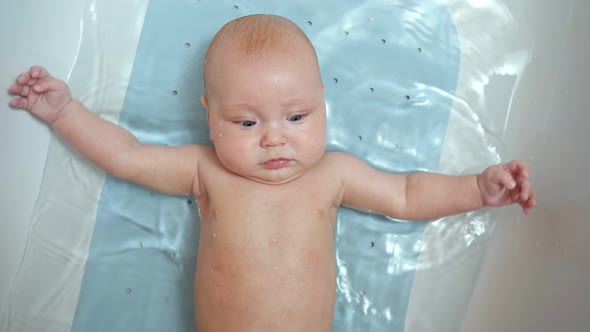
267, 191
266, 258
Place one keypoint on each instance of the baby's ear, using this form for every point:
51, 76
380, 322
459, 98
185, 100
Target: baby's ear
204, 103
206, 106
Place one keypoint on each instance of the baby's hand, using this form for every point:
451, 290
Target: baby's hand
506, 184
41, 94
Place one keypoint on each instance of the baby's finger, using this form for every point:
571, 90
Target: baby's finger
519, 167
32, 81
531, 203
22, 90
19, 103
38, 72
525, 191
506, 180
533, 199
46, 85
15, 89
515, 194
23, 78
25, 90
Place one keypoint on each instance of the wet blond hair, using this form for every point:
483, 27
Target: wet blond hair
258, 35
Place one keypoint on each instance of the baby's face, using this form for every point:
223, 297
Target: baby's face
267, 115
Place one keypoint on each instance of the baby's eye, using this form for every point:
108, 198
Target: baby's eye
296, 118
246, 123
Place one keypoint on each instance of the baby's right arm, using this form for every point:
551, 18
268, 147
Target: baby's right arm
112, 148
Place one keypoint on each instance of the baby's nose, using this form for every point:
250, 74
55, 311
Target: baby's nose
274, 136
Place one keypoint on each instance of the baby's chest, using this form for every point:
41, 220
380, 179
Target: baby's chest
273, 205
271, 210
302, 196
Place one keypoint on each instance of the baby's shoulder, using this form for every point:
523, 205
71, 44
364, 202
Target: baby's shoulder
337, 157
336, 162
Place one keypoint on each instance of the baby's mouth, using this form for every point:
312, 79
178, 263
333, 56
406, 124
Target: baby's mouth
277, 163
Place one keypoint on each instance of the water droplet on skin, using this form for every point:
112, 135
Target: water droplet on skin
213, 235
211, 272
248, 219
284, 278
220, 135
274, 240
276, 269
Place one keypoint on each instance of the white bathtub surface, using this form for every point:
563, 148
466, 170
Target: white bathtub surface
521, 93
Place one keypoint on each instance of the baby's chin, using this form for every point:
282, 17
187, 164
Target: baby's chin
274, 176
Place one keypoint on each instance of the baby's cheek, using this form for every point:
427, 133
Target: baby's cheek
234, 152
316, 143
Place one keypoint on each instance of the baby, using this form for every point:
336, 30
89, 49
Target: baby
267, 191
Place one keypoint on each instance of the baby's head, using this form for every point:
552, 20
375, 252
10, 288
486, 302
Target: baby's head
264, 99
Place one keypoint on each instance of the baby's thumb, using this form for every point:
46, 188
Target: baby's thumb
48, 84
507, 180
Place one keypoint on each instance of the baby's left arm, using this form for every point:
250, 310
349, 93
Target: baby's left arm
424, 196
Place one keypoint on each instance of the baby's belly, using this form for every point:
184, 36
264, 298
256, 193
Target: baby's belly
268, 280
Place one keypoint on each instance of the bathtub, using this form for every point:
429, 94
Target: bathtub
515, 90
